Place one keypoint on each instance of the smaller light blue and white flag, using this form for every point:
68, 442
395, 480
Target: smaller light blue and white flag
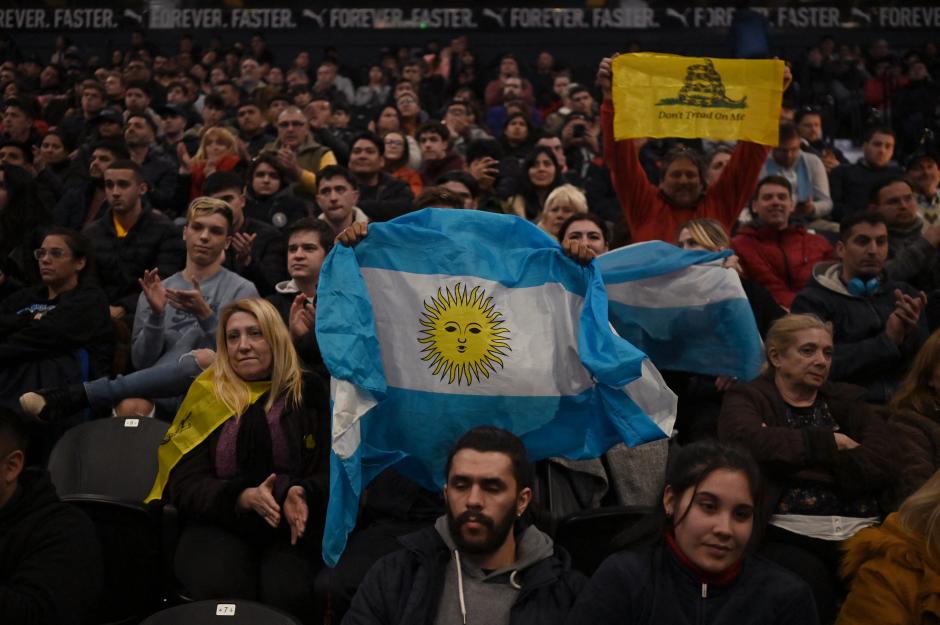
443, 320
681, 308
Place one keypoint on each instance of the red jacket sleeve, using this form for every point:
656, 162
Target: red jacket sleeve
757, 266
636, 194
736, 185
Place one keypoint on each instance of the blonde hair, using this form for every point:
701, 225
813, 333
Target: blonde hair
286, 372
707, 232
919, 515
212, 133
203, 206
914, 392
566, 194
782, 334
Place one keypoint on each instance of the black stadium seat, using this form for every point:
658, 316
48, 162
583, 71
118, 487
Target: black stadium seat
221, 612
587, 536
114, 457
106, 468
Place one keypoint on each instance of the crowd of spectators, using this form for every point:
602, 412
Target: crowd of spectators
151, 200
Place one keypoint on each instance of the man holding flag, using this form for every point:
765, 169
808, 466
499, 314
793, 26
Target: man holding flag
698, 110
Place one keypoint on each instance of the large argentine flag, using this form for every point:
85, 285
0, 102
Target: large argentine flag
682, 309
442, 320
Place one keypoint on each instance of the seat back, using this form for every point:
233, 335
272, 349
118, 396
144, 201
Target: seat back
106, 468
131, 554
587, 536
112, 457
221, 612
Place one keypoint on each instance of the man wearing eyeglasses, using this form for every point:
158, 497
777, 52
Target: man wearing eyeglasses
298, 152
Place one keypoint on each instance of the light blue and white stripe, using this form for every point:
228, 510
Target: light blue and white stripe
569, 386
681, 308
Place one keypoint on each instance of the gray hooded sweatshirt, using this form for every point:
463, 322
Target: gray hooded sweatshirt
476, 596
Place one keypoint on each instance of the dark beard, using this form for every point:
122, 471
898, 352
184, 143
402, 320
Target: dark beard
496, 532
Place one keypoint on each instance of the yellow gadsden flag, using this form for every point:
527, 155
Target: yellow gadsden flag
663, 95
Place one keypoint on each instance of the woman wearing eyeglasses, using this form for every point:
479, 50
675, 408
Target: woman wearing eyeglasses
58, 332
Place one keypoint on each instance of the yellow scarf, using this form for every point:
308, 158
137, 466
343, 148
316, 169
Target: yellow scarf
199, 415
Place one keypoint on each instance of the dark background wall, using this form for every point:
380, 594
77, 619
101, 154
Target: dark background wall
578, 48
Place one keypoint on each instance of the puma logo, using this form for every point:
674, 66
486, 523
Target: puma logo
497, 16
315, 16
865, 17
679, 16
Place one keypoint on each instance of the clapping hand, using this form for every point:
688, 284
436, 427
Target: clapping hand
154, 291
186, 163
295, 512
301, 317
261, 499
904, 318
288, 160
241, 243
190, 300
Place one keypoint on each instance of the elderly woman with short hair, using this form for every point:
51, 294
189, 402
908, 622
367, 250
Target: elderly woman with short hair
824, 454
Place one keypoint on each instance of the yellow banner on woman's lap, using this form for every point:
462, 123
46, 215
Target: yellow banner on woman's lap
664, 95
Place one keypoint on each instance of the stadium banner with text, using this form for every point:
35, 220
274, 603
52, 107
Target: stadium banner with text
202, 15
665, 95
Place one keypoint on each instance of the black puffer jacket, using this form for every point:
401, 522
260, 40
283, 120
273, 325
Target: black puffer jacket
388, 199
160, 172
405, 587
280, 209
153, 242
650, 586
268, 256
50, 561
72, 207
851, 185
911, 257
864, 355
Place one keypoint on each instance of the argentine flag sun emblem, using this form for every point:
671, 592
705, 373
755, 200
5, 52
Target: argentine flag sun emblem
463, 335
444, 319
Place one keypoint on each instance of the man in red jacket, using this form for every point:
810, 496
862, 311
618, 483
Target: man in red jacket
774, 253
657, 213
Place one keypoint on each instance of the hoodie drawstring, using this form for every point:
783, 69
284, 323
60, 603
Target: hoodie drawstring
463, 604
